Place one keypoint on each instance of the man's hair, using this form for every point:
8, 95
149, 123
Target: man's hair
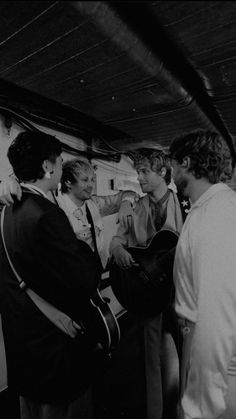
209, 154
71, 170
28, 151
156, 158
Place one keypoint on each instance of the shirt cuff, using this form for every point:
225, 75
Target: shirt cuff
131, 199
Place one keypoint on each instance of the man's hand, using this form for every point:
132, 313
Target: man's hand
7, 189
123, 258
125, 214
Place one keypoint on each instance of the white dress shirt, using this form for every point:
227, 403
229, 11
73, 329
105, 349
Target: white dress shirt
78, 219
99, 206
205, 281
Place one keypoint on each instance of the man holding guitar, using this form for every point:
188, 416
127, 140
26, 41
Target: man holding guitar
157, 210
49, 369
84, 212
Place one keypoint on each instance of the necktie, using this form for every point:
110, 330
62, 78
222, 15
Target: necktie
90, 220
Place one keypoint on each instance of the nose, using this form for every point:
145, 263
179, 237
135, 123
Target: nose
90, 184
140, 177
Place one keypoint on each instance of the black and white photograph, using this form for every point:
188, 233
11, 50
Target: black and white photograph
117, 209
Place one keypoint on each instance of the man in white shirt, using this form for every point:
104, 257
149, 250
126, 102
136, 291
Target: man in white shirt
204, 275
76, 199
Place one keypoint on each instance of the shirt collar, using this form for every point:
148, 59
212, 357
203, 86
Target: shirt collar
70, 205
34, 188
213, 190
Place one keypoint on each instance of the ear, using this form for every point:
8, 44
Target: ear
186, 162
47, 166
68, 184
163, 172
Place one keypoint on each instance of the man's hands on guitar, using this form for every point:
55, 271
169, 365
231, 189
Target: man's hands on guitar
123, 258
8, 188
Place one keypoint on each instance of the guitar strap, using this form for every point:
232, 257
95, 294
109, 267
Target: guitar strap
90, 220
57, 317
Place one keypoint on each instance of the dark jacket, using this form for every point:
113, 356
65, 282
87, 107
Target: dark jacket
43, 362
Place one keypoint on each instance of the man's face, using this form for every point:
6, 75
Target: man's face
180, 177
149, 180
83, 188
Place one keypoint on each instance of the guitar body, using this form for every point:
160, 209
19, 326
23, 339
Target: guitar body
146, 289
101, 323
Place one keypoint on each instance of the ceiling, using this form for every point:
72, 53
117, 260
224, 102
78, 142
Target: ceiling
120, 75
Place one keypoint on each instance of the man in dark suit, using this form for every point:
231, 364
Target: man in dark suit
50, 370
76, 186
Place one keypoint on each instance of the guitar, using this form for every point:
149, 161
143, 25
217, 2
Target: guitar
100, 323
146, 289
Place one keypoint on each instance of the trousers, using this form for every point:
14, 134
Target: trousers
230, 400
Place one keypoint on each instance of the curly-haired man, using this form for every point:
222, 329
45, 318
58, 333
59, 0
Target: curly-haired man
204, 275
